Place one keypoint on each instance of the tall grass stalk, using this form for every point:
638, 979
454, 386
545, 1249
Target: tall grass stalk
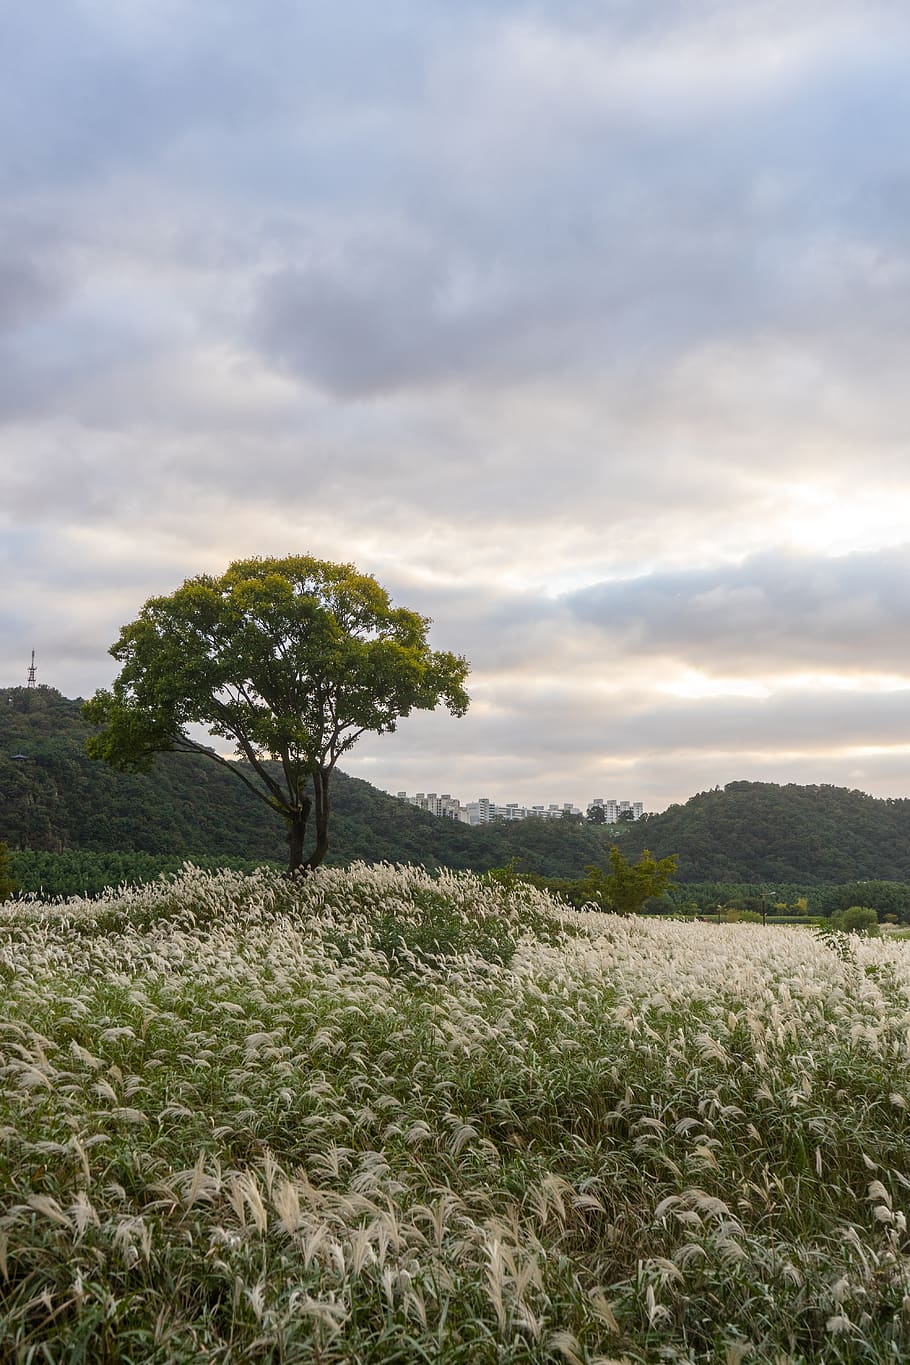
385, 1116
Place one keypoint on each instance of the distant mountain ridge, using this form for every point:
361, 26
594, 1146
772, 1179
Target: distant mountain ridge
762, 832
54, 797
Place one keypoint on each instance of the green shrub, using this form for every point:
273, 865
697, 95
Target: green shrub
856, 919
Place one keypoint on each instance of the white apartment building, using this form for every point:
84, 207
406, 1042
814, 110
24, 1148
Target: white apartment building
446, 806
613, 809
483, 810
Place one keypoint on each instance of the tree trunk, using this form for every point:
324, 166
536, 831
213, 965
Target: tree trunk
321, 779
297, 823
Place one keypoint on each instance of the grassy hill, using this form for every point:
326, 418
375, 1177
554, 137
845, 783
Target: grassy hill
373, 1116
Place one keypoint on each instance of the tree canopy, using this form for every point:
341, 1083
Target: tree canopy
856, 919
292, 660
627, 885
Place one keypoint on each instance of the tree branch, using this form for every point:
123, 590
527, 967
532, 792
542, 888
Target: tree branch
250, 753
186, 745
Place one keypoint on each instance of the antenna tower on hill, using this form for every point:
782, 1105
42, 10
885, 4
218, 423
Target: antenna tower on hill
31, 672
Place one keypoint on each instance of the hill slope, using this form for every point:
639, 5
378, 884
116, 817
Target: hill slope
55, 797
761, 832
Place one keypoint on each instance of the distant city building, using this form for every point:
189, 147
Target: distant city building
483, 810
613, 810
446, 806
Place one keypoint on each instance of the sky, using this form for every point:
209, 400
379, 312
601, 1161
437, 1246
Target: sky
584, 327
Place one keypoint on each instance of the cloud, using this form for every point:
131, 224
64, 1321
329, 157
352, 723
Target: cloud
583, 326
669, 190
656, 753
773, 613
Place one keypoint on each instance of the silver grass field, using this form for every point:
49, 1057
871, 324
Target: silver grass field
379, 1115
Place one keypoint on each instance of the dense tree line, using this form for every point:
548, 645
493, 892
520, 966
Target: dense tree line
888, 899
77, 872
779, 898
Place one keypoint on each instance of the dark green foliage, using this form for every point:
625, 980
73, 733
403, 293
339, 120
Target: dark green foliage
7, 881
704, 897
732, 844
55, 800
75, 872
374, 827
887, 898
856, 919
627, 885
759, 832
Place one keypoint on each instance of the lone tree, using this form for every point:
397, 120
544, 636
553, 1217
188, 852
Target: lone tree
291, 659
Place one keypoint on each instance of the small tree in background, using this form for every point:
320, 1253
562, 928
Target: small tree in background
856, 919
627, 886
7, 881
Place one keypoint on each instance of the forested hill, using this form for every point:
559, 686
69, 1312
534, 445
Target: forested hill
761, 832
54, 797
